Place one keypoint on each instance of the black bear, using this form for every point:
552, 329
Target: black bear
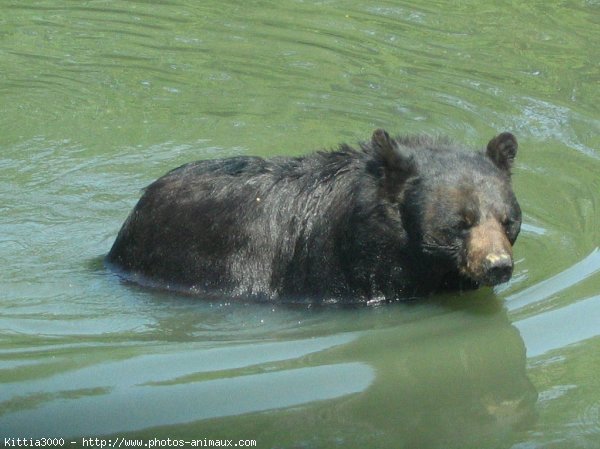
398, 218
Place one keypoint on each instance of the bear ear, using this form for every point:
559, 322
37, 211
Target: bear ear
391, 153
502, 150
383, 143
397, 166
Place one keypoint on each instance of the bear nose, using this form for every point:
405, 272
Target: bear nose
498, 268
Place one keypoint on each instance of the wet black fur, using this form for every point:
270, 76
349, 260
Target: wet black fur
334, 225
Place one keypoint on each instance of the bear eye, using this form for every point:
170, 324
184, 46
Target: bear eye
508, 224
468, 216
466, 222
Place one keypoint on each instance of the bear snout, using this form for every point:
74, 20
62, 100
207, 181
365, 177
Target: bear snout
497, 268
489, 254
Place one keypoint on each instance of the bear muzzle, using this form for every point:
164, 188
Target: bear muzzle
489, 258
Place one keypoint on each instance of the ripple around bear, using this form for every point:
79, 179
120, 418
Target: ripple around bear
397, 218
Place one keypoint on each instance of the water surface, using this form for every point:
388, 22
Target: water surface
99, 98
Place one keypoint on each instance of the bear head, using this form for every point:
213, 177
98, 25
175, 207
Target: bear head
457, 207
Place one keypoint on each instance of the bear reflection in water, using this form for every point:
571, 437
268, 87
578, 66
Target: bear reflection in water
397, 218
457, 380
448, 373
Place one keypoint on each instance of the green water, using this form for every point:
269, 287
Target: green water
98, 98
